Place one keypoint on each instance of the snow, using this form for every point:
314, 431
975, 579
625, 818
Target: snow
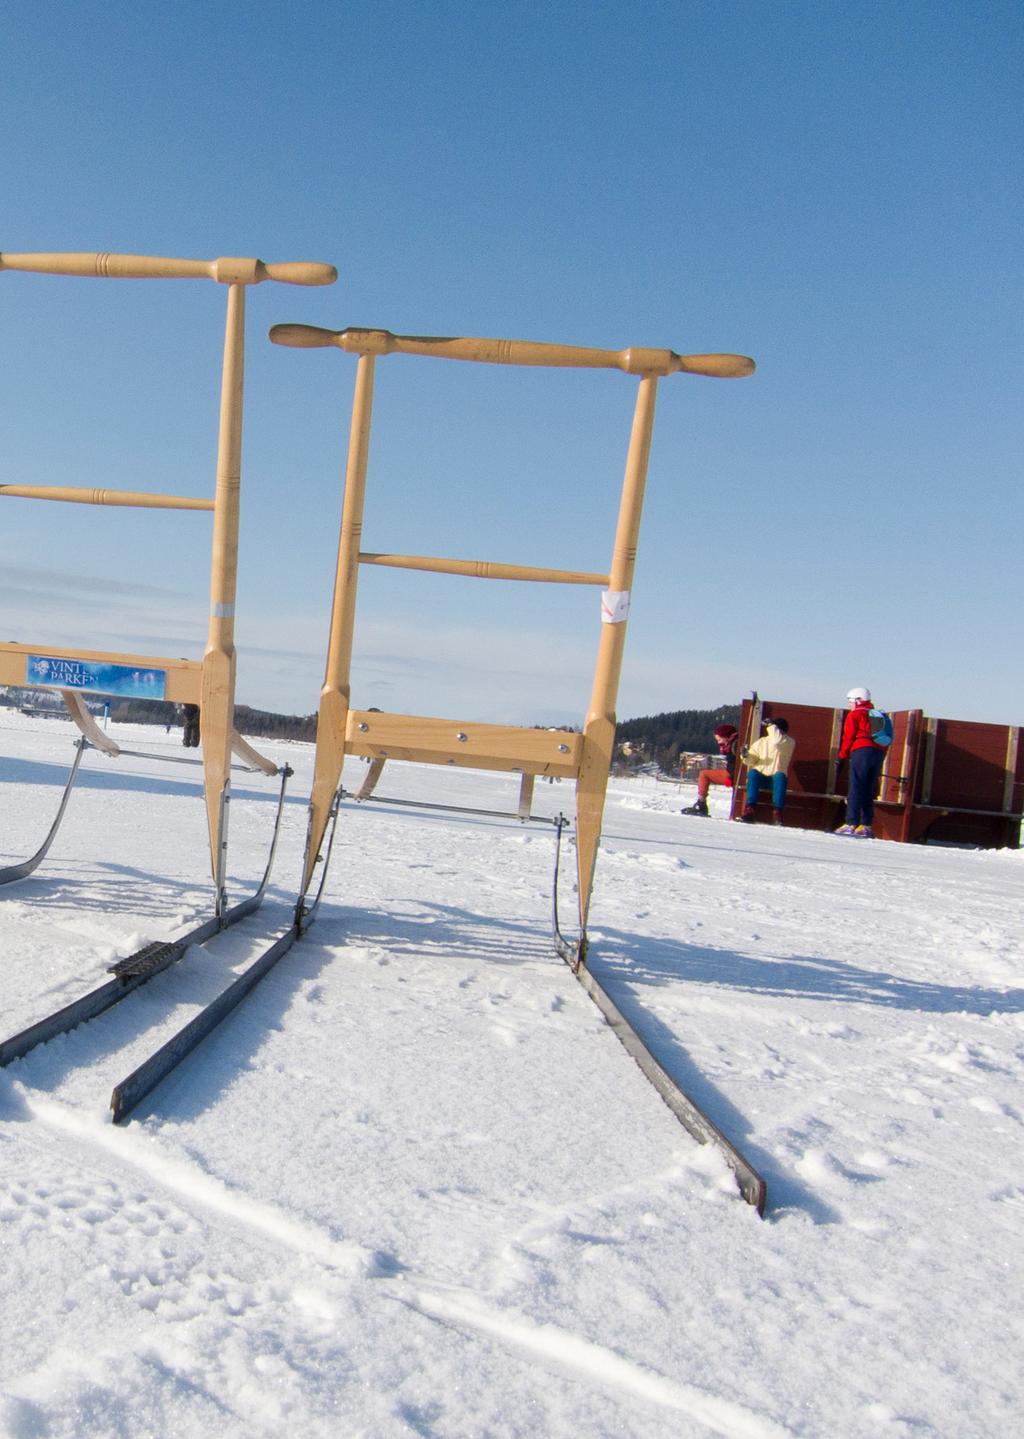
415, 1187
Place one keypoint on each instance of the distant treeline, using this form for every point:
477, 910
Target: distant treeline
660, 739
653, 739
248, 721
273, 726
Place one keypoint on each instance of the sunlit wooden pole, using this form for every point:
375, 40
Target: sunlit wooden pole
336, 691
599, 727
218, 680
131, 499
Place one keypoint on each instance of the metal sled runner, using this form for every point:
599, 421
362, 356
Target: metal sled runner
139, 968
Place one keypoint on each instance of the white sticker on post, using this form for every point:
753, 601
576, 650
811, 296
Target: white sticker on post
614, 607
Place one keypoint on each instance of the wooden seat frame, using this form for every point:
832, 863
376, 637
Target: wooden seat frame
583, 757
209, 683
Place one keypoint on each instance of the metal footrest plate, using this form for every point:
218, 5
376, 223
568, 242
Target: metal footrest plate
149, 960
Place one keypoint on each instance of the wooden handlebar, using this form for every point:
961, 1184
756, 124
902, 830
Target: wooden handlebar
633, 361
134, 499
227, 270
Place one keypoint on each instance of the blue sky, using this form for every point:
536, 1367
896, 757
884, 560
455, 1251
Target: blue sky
834, 189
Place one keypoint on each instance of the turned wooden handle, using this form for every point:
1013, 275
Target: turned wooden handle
634, 361
228, 270
718, 367
298, 272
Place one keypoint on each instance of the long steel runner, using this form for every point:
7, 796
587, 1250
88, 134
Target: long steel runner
132, 1090
693, 1119
138, 968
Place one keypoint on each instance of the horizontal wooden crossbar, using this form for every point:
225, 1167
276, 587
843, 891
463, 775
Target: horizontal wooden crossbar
228, 270
636, 360
796, 795
182, 678
376, 735
482, 569
136, 499
942, 809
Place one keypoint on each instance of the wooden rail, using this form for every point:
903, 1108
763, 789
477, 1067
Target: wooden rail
634, 361
228, 270
136, 499
482, 569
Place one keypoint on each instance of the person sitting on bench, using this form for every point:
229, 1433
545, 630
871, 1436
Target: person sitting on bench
768, 759
726, 736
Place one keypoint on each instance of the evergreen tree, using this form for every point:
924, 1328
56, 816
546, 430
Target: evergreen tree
660, 739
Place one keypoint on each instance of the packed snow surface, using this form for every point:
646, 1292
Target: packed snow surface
414, 1186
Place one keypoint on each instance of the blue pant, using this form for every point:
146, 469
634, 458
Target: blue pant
756, 781
865, 769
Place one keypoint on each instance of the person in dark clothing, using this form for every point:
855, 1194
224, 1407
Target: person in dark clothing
190, 726
726, 736
866, 760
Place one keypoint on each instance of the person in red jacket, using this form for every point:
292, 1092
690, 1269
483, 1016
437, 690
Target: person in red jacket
866, 759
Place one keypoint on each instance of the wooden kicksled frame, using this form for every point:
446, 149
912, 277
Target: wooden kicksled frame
379, 737
586, 757
209, 683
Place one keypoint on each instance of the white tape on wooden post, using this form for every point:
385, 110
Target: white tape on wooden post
614, 607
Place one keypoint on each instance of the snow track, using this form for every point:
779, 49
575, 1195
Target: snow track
413, 1186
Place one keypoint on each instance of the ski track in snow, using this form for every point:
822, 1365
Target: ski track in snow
145, 1193
414, 1186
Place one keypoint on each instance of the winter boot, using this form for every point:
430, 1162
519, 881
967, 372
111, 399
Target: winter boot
701, 808
847, 829
776, 816
747, 817
864, 831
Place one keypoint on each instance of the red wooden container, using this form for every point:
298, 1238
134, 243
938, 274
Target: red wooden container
945, 780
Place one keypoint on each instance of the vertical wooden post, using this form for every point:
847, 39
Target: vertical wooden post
599, 727
931, 730
334, 696
1010, 767
752, 728
910, 763
217, 689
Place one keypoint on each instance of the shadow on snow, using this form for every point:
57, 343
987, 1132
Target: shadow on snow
642, 960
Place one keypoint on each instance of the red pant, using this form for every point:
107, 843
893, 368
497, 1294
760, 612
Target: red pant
708, 777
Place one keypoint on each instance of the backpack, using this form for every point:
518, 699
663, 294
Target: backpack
881, 727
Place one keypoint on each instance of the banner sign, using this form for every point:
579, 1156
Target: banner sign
51, 672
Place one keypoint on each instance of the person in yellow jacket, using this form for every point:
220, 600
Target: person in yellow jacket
768, 760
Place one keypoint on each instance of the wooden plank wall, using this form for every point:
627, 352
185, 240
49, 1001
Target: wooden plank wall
953, 781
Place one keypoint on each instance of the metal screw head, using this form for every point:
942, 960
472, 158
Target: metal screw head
462, 738
563, 749
363, 726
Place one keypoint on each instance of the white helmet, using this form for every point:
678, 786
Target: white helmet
858, 694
